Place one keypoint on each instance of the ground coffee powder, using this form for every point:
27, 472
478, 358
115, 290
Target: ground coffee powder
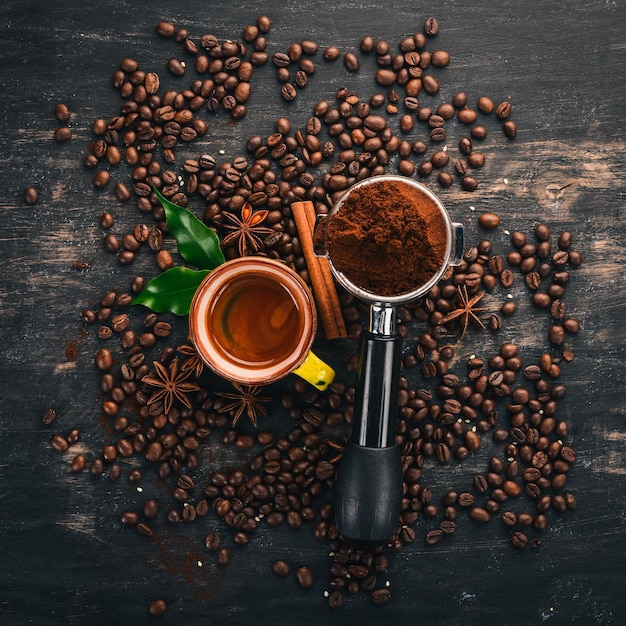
387, 237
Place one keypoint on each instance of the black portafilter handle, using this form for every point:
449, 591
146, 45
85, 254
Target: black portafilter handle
369, 480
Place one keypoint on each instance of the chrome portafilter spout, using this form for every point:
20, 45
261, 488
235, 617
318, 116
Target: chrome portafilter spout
369, 479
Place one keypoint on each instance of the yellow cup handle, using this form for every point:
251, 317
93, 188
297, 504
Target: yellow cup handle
316, 372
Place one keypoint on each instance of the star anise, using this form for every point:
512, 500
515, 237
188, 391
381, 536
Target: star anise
467, 310
246, 230
193, 361
246, 399
171, 384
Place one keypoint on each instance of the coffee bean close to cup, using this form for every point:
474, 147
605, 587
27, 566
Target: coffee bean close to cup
253, 321
388, 239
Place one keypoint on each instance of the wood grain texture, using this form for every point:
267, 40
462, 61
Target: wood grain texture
64, 556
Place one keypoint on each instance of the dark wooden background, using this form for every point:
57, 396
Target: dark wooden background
64, 556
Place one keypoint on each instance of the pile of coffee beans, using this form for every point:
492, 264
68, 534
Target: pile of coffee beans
451, 407
400, 127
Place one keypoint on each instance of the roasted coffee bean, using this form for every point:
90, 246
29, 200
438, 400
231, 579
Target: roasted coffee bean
509, 518
381, 596
480, 483
479, 515
223, 556
104, 359
472, 440
507, 278
281, 568
351, 62
101, 179
440, 159
476, 159
519, 539
430, 84
556, 335
568, 454
304, 576
503, 110
62, 112
63, 134
440, 58
431, 27
157, 608
541, 299
288, 92
508, 308
465, 145
442, 452
434, 536
31, 195
467, 116
448, 526
144, 529
495, 322
162, 329
485, 105
49, 416
212, 541
469, 183
510, 128
533, 280
176, 67
335, 599
107, 220
129, 518
559, 279
489, 220
59, 443
150, 508
189, 513
445, 179
466, 499
496, 378
479, 132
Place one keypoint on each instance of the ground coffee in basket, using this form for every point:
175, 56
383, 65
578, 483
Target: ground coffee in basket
387, 238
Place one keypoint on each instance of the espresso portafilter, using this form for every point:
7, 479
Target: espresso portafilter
369, 479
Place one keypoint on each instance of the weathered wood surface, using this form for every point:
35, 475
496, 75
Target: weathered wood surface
64, 557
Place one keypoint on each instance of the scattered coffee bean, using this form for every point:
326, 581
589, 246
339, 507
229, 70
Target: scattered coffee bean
59, 443
381, 596
489, 221
31, 195
79, 462
335, 599
157, 608
510, 129
503, 110
63, 134
62, 113
49, 416
281, 568
304, 576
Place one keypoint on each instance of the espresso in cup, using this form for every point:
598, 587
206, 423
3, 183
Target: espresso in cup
253, 321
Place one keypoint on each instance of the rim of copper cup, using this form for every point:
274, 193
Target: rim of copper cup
214, 275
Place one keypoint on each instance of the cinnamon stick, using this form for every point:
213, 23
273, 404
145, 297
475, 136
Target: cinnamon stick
322, 280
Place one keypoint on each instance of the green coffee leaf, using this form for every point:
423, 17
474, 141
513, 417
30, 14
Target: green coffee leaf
172, 291
197, 243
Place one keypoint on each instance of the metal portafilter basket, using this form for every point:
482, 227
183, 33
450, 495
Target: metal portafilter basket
369, 480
